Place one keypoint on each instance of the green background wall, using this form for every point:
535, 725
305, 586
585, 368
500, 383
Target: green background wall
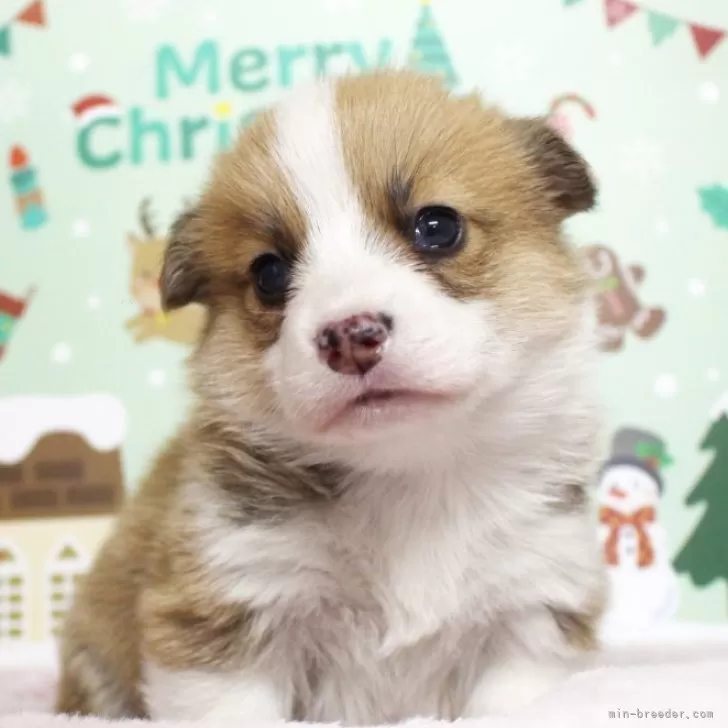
188, 71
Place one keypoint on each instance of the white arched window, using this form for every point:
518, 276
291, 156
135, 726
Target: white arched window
65, 567
13, 594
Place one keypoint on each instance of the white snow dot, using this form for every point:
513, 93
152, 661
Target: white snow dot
61, 353
93, 302
615, 59
662, 227
210, 17
157, 378
78, 62
666, 385
696, 287
81, 228
713, 374
709, 92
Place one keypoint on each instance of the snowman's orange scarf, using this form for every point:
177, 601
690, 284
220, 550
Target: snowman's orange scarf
615, 520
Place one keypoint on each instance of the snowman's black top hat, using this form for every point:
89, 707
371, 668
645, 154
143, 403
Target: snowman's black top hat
639, 449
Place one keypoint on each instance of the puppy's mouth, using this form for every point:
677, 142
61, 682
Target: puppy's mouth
382, 407
377, 395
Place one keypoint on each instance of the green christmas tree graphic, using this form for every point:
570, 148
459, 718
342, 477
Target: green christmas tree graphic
429, 54
704, 557
714, 201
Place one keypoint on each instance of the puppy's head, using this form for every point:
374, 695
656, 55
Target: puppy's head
379, 258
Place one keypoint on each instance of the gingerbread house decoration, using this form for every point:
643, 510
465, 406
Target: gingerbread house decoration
66, 565
61, 484
13, 594
60, 456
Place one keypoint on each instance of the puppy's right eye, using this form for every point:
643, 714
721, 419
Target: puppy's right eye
271, 277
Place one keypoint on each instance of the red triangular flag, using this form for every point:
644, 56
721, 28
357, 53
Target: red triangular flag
618, 11
33, 14
706, 39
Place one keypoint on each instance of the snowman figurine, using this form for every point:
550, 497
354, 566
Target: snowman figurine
644, 587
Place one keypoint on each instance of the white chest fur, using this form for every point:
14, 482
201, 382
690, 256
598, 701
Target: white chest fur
395, 587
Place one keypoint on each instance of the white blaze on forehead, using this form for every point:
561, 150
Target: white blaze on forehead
308, 149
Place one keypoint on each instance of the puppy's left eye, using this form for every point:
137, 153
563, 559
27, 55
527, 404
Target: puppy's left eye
271, 276
438, 230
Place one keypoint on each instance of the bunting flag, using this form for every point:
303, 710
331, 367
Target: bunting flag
661, 26
706, 38
33, 14
618, 11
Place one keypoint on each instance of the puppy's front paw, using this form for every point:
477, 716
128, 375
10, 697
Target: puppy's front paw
214, 695
510, 686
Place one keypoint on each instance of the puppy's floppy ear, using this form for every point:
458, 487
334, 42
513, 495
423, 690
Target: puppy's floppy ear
568, 183
183, 279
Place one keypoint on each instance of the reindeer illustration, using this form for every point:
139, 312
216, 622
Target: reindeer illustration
182, 326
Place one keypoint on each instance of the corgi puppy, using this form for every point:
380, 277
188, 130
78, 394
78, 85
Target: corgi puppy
378, 506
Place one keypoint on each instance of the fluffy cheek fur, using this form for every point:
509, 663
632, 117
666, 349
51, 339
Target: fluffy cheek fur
228, 372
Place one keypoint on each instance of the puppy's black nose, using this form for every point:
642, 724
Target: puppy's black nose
354, 345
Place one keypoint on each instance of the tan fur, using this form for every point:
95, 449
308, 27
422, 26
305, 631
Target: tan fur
150, 591
107, 600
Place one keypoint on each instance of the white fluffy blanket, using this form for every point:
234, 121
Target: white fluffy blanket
632, 686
